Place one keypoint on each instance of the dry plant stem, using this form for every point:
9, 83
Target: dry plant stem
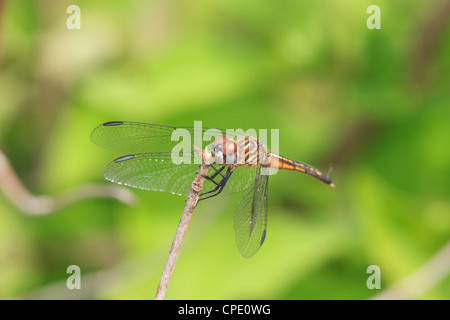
28, 203
191, 202
436, 269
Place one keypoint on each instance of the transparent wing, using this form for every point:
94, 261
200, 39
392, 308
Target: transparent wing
135, 137
158, 172
241, 179
250, 217
154, 171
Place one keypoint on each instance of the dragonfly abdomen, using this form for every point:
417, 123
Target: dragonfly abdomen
250, 152
280, 162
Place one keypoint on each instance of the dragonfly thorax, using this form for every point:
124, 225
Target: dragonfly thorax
224, 151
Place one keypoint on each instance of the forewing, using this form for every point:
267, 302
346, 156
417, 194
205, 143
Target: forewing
250, 218
136, 137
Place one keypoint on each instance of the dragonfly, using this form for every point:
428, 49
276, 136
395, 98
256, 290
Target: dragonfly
239, 162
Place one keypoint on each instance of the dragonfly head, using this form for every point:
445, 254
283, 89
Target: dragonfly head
224, 150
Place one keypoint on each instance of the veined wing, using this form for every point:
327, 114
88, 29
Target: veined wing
158, 172
153, 171
135, 137
250, 217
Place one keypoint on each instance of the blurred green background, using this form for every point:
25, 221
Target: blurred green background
369, 106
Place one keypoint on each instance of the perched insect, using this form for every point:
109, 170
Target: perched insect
239, 162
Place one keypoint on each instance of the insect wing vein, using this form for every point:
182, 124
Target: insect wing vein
250, 218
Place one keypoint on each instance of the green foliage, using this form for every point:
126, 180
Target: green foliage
363, 102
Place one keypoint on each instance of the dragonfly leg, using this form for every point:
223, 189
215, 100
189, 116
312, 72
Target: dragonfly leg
217, 172
219, 186
211, 178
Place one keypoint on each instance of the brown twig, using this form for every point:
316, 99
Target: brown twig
191, 202
30, 204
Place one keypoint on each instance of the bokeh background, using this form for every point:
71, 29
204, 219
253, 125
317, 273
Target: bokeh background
369, 106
